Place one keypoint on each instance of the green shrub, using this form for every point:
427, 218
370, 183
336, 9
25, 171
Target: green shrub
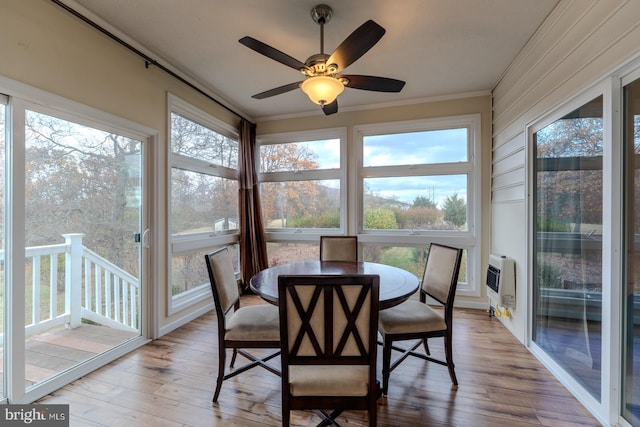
455, 210
418, 217
380, 219
549, 275
327, 220
548, 223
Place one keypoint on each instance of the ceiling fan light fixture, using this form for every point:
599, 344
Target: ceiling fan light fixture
322, 89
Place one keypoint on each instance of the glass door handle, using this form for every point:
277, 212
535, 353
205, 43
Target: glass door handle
145, 238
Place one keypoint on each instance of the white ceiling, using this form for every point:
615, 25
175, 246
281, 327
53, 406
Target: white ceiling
439, 47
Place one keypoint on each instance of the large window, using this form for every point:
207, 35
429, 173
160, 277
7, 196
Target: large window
416, 180
419, 183
400, 187
302, 186
204, 197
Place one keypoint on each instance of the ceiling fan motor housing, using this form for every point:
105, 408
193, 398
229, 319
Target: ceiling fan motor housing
318, 66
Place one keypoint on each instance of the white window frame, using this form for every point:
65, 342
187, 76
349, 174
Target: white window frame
468, 239
185, 244
308, 234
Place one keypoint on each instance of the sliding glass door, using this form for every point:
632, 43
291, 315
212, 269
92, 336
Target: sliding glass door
567, 242
72, 245
631, 296
82, 213
3, 291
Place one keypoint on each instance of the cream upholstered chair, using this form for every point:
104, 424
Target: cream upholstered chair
415, 319
254, 326
328, 341
339, 248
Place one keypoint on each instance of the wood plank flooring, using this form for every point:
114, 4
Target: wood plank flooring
170, 382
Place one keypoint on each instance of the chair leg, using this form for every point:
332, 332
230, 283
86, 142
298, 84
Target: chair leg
233, 357
448, 348
221, 359
426, 347
373, 412
286, 412
386, 365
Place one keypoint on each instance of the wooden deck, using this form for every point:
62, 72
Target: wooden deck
170, 382
59, 349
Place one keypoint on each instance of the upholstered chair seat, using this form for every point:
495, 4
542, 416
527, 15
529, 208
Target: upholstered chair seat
254, 323
326, 380
410, 317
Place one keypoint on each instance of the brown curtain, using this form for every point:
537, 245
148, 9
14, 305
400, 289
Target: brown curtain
253, 247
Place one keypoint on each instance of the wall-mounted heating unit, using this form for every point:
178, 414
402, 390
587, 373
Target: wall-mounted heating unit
501, 281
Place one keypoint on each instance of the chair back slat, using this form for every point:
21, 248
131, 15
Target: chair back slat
223, 279
441, 273
352, 301
339, 248
306, 332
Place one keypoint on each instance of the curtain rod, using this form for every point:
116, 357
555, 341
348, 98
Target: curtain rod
147, 59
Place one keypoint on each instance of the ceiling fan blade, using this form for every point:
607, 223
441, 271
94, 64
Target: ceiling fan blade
272, 53
356, 45
277, 90
332, 108
374, 83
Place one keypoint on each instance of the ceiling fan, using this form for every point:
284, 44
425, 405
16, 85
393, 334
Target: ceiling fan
323, 84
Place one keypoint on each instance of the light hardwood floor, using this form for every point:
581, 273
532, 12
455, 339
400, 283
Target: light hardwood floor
170, 382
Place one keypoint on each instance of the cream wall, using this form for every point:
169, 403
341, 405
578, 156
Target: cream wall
47, 48
453, 106
580, 43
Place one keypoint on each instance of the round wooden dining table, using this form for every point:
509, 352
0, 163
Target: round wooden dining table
396, 284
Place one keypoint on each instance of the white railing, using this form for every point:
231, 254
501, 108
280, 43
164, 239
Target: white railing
94, 289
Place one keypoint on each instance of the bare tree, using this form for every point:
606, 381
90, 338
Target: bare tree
284, 200
80, 180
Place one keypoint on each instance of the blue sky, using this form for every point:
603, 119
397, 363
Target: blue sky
427, 147
405, 189
441, 146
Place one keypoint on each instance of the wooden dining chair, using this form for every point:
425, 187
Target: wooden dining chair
249, 327
414, 319
329, 347
339, 248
